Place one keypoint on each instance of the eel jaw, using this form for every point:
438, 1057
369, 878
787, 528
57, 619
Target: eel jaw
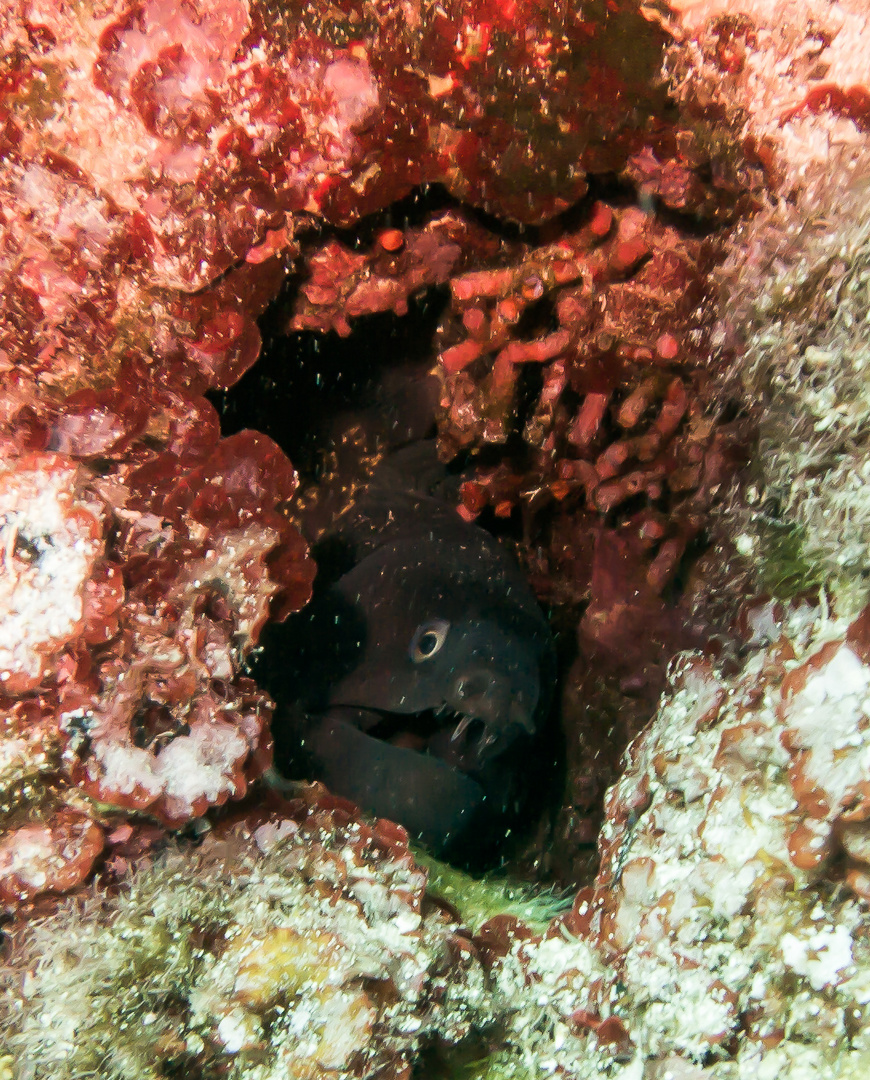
466, 739
446, 776
492, 713
434, 801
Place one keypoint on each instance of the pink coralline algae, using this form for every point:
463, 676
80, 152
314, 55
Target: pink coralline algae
342, 285
133, 595
150, 148
48, 858
610, 314
722, 880
160, 163
527, 98
53, 538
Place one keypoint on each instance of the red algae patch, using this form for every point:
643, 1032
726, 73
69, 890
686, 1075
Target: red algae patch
39, 859
137, 606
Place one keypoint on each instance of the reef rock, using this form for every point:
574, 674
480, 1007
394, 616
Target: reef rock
162, 165
726, 934
789, 86
297, 942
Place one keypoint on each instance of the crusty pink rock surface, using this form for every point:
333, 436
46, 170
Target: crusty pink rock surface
128, 612
161, 165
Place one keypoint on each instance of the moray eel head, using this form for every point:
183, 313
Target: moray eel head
429, 668
442, 658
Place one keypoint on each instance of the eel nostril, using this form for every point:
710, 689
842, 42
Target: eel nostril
468, 687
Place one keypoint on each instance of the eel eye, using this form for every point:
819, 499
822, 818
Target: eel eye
428, 640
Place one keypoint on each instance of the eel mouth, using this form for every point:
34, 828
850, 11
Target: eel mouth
464, 740
416, 730
452, 778
436, 802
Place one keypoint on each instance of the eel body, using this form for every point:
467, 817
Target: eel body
417, 680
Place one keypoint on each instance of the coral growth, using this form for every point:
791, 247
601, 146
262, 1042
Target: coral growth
133, 596
52, 537
48, 858
799, 288
720, 903
296, 942
605, 315
790, 87
341, 284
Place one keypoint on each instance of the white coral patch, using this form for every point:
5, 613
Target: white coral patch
191, 767
821, 955
830, 717
49, 541
27, 853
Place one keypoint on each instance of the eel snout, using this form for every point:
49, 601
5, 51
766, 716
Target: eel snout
494, 712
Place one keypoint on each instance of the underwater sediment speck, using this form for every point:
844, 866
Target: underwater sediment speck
618, 252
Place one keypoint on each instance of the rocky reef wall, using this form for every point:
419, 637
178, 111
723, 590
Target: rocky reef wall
653, 241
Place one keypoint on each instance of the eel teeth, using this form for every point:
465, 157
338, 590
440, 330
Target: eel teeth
461, 728
486, 741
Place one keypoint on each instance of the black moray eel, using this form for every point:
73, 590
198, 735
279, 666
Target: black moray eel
416, 682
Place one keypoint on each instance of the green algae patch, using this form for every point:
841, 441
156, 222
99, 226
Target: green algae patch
480, 899
785, 570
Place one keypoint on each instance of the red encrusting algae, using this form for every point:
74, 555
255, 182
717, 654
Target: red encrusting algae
159, 164
161, 168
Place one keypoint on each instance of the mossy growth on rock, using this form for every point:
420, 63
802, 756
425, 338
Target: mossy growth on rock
294, 948
798, 289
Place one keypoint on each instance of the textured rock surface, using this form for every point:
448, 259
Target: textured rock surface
162, 166
293, 943
132, 597
727, 846
801, 287
790, 86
